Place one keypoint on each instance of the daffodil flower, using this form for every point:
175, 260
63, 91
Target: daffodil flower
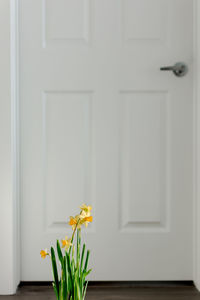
44, 253
83, 215
66, 243
86, 209
83, 218
74, 222
86, 220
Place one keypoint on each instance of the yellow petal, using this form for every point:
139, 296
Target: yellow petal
86, 208
72, 221
44, 253
89, 219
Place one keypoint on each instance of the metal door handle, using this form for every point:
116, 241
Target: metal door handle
179, 69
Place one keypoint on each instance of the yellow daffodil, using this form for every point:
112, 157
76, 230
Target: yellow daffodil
44, 253
83, 218
86, 220
86, 209
66, 243
75, 222
83, 215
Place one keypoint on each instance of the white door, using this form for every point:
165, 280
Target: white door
102, 125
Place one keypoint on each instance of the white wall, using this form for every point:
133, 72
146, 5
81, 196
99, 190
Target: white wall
8, 278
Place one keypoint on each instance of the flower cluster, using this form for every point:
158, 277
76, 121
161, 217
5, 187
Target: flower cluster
75, 222
83, 218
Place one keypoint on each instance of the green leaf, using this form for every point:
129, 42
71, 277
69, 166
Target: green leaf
69, 279
88, 272
60, 291
70, 272
86, 260
78, 291
82, 257
85, 289
55, 290
54, 268
69, 284
60, 255
64, 280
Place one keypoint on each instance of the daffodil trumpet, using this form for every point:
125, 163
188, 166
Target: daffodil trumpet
71, 284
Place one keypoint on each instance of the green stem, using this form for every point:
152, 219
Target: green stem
73, 235
82, 257
78, 247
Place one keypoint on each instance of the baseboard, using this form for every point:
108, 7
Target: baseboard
176, 283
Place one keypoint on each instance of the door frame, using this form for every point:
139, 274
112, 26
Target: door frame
196, 143
13, 65
15, 140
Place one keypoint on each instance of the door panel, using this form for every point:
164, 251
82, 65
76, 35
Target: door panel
67, 152
101, 124
144, 163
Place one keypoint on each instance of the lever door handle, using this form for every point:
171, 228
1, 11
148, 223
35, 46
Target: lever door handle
179, 69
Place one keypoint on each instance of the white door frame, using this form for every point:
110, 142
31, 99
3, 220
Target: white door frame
10, 226
9, 233
196, 141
